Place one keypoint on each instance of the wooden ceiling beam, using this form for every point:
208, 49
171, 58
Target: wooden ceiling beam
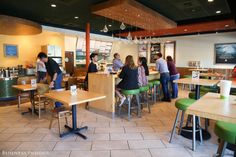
133, 13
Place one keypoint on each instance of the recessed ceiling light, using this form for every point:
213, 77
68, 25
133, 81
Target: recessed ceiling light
76, 17
109, 25
226, 25
218, 12
138, 15
53, 5
210, 0
185, 30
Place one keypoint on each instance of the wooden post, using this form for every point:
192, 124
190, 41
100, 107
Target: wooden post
87, 44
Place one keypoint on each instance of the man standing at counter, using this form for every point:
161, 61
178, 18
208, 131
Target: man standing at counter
53, 71
117, 63
161, 66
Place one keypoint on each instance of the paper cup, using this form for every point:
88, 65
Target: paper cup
225, 87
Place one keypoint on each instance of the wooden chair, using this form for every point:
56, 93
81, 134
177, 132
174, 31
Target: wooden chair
59, 113
71, 81
23, 95
40, 98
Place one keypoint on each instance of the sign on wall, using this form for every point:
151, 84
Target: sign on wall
10, 50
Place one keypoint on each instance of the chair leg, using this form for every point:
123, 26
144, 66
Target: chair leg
181, 122
200, 129
139, 106
18, 102
66, 119
39, 107
51, 120
149, 110
221, 148
155, 93
59, 123
129, 107
159, 92
174, 126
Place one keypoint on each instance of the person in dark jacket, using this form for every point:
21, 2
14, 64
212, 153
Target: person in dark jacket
129, 76
174, 75
92, 67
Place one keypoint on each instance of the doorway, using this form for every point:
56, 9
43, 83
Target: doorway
69, 62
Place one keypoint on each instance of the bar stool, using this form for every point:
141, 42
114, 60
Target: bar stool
227, 134
129, 94
145, 89
182, 105
150, 84
156, 89
191, 95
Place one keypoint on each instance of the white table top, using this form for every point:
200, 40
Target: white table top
65, 97
212, 107
203, 82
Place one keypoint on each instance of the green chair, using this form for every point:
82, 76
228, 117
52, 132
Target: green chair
191, 95
206, 89
129, 94
182, 105
145, 89
156, 89
227, 134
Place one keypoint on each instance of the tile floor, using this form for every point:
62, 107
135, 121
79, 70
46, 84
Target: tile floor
28, 136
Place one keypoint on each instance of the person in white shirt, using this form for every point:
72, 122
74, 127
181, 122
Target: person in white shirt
41, 71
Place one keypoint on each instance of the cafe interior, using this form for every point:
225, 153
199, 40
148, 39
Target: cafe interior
111, 78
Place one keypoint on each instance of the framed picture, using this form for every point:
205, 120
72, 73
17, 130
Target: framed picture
10, 50
225, 53
169, 49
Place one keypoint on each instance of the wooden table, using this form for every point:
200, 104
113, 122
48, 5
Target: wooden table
26, 88
212, 107
212, 74
66, 98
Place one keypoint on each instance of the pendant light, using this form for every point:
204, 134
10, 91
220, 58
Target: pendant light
135, 40
129, 37
122, 26
105, 29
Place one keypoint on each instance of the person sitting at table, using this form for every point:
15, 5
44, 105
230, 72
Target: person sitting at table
174, 75
143, 71
129, 78
161, 66
117, 63
53, 71
91, 68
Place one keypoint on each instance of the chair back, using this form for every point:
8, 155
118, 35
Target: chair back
24, 80
42, 89
72, 81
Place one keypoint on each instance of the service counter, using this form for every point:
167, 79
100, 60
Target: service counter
105, 84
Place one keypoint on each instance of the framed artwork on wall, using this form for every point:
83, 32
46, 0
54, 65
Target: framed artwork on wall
10, 50
169, 49
225, 53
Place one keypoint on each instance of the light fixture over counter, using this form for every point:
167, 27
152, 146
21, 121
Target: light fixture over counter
133, 13
16, 26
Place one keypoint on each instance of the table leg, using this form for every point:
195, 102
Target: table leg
197, 92
194, 134
74, 128
32, 109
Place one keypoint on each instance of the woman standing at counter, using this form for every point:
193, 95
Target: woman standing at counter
143, 71
174, 75
129, 78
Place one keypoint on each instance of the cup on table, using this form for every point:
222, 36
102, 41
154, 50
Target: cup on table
23, 82
225, 86
73, 90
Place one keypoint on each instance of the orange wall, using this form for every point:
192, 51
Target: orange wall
29, 46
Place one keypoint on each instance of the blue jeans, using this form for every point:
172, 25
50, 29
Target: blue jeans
174, 86
57, 85
165, 78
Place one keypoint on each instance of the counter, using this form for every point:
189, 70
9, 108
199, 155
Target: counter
6, 90
105, 84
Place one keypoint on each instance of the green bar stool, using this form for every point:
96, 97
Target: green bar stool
184, 85
145, 89
182, 105
150, 84
227, 134
128, 94
156, 89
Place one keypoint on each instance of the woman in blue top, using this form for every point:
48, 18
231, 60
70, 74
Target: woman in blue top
129, 78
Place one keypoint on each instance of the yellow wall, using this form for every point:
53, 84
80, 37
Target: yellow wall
29, 46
